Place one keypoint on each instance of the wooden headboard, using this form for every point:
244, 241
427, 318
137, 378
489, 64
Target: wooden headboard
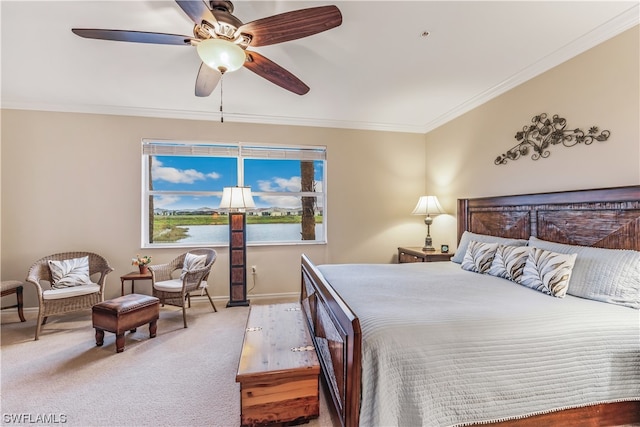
605, 218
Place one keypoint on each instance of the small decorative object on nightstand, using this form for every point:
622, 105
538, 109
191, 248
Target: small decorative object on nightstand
143, 263
418, 255
444, 249
429, 206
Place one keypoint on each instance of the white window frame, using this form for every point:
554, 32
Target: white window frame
241, 151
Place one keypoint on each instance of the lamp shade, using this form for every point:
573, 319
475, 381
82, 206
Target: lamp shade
221, 55
428, 205
237, 198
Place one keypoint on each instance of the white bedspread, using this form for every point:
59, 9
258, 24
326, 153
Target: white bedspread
443, 346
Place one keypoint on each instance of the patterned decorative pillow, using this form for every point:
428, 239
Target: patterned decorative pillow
192, 262
548, 272
479, 256
69, 272
468, 236
509, 262
606, 275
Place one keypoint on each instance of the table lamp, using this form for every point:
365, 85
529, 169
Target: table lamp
429, 206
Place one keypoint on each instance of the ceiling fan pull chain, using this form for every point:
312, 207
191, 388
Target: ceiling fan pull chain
221, 113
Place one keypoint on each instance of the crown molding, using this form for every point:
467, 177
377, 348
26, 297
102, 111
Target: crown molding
209, 116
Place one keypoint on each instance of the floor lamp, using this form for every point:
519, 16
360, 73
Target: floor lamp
428, 205
237, 200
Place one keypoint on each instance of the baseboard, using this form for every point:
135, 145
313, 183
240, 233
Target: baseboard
24, 309
261, 298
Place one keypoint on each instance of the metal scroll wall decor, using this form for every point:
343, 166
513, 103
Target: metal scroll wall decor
545, 132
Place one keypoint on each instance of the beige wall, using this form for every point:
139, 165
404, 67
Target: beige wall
597, 88
72, 182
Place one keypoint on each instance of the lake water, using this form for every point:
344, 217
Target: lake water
255, 233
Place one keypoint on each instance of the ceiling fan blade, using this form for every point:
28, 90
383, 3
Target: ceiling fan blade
133, 36
207, 80
274, 73
196, 10
292, 25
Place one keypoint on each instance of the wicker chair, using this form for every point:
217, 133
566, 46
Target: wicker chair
61, 301
176, 291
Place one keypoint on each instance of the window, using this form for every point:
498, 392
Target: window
183, 183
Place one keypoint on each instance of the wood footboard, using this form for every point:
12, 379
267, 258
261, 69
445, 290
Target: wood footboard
336, 334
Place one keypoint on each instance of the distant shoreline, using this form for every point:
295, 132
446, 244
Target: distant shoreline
173, 228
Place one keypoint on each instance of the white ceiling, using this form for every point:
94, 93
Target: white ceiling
375, 71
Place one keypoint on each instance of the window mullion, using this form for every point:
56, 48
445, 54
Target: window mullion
240, 170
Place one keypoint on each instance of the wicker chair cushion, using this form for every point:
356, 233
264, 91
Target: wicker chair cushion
193, 262
174, 285
72, 291
69, 272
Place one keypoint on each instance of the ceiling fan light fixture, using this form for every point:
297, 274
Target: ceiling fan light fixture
221, 55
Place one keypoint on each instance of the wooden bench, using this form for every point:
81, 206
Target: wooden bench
123, 314
278, 370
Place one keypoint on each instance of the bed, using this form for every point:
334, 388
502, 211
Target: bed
499, 368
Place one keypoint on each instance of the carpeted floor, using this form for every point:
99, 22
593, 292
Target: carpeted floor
182, 377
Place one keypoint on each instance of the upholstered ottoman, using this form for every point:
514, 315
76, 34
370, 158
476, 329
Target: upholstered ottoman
123, 314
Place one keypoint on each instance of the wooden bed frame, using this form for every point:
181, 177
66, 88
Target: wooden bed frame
607, 218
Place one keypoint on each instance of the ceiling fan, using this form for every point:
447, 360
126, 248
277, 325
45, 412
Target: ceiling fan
222, 40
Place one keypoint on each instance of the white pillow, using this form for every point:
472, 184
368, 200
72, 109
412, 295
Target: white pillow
69, 272
548, 272
192, 262
509, 262
607, 275
467, 236
479, 256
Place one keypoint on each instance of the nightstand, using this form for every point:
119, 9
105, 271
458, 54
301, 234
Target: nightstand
416, 254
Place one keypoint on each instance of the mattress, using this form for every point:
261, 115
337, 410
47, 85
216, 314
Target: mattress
443, 346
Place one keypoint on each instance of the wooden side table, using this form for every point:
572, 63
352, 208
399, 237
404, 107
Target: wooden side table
9, 287
133, 276
416, 254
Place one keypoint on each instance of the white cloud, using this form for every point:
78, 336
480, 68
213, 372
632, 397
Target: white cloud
288, 202
281, 184
178, 176
278, 184
164, 201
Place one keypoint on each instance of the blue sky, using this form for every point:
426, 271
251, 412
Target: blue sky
179, 173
